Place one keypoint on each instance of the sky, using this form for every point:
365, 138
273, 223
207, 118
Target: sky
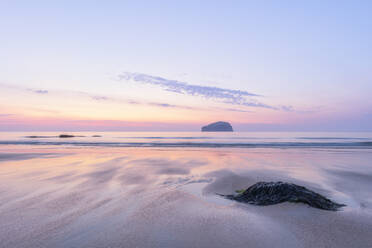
178, 65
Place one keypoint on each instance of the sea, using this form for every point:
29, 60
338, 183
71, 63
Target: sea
361, 140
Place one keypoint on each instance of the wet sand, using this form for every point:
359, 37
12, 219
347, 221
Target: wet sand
147, 197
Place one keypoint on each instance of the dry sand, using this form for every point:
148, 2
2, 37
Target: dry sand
75, 197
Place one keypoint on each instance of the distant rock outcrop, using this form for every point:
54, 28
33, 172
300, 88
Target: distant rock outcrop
62, 136
219, 126
269, 193
66, 136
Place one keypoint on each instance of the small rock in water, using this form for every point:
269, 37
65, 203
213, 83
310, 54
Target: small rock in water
39, 137
66, 136
269, 193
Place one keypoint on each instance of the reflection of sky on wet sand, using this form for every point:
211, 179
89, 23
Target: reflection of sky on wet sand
67, 194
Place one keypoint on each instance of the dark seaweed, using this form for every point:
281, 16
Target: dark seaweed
269, 193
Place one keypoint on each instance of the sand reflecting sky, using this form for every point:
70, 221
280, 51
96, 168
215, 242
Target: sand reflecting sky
68, 196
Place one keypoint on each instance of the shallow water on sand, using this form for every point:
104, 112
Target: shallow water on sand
74, 196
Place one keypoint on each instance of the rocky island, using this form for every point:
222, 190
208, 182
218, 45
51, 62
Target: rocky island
219, 126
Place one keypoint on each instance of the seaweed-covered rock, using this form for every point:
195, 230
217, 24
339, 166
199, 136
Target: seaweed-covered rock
269, 193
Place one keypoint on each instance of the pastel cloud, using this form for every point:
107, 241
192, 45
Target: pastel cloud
38, 91
287, 108
234, 97
105, 98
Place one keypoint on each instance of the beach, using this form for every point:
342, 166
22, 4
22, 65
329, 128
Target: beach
185, 124
89, 196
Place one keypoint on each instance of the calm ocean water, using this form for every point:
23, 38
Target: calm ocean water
192, 139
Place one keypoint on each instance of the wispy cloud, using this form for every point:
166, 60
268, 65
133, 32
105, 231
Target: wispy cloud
105, 98
287, 108
167, 105
15, 87
234, 97
159, 104
237, 110
100, 98
38, 91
